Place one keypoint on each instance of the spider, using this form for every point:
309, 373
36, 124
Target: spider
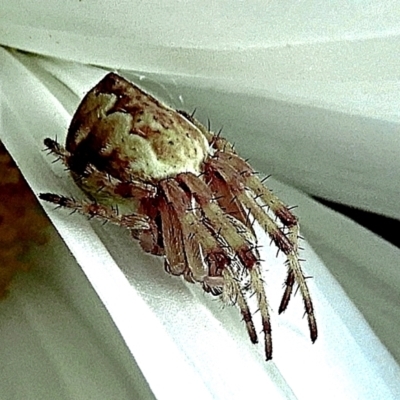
184, 194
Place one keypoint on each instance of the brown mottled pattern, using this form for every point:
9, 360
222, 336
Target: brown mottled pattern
116, 107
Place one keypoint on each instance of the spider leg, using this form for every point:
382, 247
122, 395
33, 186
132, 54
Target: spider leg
258, 287
94, 210
231, 230
230, 204
150, 239
175, 257
289, 282
295, 273
236, 240
233, 293
240, 177
57, 149
204, 256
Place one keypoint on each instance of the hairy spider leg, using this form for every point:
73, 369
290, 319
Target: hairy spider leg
204, 256
233, 232
238, 242
239, 176
94, 210
195, 238
233, 293
295, 273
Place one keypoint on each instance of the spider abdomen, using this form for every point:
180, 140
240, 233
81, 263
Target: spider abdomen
127, 133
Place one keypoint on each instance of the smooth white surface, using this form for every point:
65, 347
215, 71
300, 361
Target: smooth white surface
172, 328
251, 23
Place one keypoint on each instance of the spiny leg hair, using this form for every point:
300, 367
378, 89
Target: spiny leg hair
246, 187
235, 239
95, 210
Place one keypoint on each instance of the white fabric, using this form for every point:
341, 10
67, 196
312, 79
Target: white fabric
259, 81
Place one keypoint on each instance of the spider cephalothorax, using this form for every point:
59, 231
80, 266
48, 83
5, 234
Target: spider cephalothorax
182, 191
